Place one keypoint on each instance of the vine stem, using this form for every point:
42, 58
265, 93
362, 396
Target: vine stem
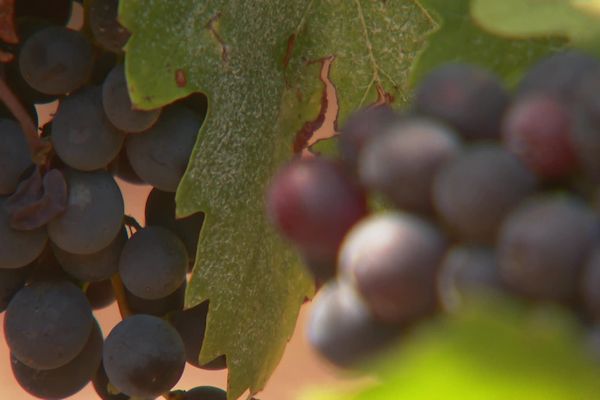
37, 146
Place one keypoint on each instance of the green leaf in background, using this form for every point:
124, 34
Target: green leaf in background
260, 63
492, 351
460, 39
577, 20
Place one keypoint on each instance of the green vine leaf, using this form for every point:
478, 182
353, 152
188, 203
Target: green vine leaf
493, 350
459, 38
576, 20
264, 66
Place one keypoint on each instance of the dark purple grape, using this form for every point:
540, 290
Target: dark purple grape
160, 155
107, 30
93, 267
473, 193
56, 60
343, 330
11, 281
313, 204
121, 168
94, 214
191, 324
590, 285
559, 74
47, 324
392, 259
157, 307
118, 107
465, 271
100, 294
160, 211
143, 356
18, 248
66, 380
403, 162
153, 263
82, 136
585, 137
101, 385
543, 246
466, 97
204, 393
14, 155
360, 128
538, 130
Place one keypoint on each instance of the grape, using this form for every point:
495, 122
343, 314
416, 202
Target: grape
360, 128
11, 281
100, 294
157, 307
191, 324
101, 385
585, 137
94, 214
18, 248
313, 204
153, 263
160, 211
56, 60
543, 246
560, 74
470, 99
55, 11
474, 192
590, 286
117, 104
47, 268
107, 30
66, 380
343, 330
104, 63
537, 128
403, 162
47, 324
121, 168
81, 134
96, 266
14, 155
392, 258
160, 155
143, 356
204, 393
322, 270
466, 270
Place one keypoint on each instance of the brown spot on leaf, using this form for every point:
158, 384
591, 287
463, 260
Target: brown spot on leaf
180, 78
212, 26
383, 97
306, 137
290, 49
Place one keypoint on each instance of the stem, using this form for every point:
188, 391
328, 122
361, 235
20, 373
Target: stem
119, 290
132, 222
38, 147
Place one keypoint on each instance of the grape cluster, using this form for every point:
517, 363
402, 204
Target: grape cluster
66, 247
477, 190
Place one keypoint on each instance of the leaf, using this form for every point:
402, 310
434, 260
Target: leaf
573, 19
493, 351
460, 39
263, 65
